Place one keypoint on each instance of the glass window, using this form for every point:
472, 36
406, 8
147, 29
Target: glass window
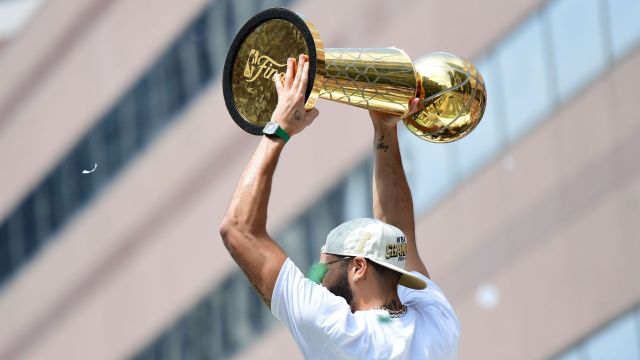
218, 37
484, 142
82, 160
570, 355
357, 194
578, 43
111, 142
28, 211
217, 326
239, 291
175, 80
126, 118
524, 78
98, 151
16, 239
322, 219
56, 202
159, 96
188, 59
5, 252
618, 340
624, 23
240, 12
142, 119
294, 242
43, 215
428, 167
202, 56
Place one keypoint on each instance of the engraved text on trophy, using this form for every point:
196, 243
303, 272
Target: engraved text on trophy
261, 64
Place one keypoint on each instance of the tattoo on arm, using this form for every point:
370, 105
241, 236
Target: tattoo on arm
381, 145
265, 299
297, 115
262, 296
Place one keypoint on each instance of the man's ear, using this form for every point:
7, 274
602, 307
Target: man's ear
360, 268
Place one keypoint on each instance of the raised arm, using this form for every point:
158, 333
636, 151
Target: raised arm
243, 228
392, 202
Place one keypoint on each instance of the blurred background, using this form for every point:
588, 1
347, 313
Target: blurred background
531, 224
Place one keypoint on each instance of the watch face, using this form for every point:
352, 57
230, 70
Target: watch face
270, 128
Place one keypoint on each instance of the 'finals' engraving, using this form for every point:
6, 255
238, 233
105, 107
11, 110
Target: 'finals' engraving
258, 64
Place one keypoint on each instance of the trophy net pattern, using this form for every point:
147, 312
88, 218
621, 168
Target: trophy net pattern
378, 79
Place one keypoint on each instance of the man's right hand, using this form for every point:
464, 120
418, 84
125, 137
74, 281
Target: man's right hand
290, 113
383, 120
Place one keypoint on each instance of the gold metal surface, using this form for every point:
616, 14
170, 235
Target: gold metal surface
450, 88
263, 53
378, 79
454, 96
384, 79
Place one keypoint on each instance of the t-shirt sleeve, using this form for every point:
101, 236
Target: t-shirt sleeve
432, 300
312, 313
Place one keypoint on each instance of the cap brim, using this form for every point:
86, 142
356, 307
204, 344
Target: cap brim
407, 279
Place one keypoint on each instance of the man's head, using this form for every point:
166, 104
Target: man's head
367, 255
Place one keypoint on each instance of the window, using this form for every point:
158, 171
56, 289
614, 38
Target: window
624, 25
357, 194
82, 160
43, 215
570, 355
144, 127
481, 145
29, 226
618, 340
322, 218
110, 131
294, 241
5, 252
577, 41
429, 169
524, 78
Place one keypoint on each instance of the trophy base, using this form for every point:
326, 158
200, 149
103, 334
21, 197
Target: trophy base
258, 52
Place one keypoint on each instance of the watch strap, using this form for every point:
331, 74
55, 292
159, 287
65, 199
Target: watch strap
282, 134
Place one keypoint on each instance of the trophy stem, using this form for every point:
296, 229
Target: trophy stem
382, 79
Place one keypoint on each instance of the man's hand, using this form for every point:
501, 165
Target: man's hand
384, 120
290, 113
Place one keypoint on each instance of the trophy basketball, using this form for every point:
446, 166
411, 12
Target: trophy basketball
450, 89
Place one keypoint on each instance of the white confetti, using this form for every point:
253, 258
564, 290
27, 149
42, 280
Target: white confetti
95, 166
487, 296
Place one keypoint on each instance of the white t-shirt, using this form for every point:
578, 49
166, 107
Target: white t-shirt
324, 327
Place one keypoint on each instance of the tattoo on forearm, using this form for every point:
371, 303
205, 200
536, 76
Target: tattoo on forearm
297, 115
265, 299
262, 296
381, 145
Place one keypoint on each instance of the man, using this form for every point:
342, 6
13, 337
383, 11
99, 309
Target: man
375, 300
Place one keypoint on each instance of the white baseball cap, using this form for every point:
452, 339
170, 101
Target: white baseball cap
377, 241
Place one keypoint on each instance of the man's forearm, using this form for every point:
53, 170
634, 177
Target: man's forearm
249, 203
392, 201
243, 228
392, 198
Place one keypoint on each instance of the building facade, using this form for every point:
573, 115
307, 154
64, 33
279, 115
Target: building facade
529, 224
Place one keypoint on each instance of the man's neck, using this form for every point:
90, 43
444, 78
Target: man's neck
387, 300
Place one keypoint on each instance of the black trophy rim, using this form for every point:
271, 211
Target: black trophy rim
247, 28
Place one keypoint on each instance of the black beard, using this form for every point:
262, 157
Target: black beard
342, 288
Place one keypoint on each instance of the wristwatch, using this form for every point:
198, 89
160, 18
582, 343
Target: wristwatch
273, 129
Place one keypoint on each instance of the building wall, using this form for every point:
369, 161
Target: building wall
544, 215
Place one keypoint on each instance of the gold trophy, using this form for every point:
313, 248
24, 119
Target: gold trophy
451, 90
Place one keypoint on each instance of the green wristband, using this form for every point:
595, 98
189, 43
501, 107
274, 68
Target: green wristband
272, 128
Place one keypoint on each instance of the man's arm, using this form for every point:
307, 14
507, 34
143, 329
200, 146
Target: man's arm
392, 202
244, 227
